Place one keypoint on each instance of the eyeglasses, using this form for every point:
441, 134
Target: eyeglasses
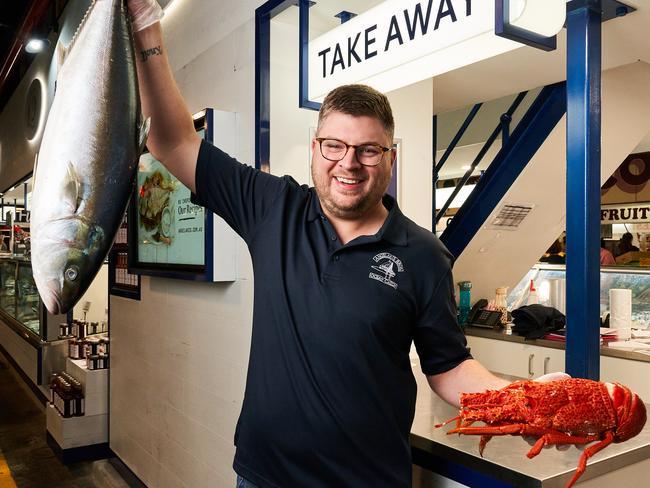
367, 154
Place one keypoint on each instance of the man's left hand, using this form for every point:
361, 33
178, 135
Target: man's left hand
558, 375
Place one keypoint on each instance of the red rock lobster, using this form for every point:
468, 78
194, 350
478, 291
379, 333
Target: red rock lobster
566, 411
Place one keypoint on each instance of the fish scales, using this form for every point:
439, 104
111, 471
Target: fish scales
88, 156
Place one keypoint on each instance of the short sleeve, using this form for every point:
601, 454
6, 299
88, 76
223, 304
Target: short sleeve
439, 341
240, 194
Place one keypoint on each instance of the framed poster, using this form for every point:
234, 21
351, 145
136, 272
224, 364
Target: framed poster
169, 236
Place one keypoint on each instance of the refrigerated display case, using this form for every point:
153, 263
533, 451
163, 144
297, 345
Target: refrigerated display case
636, 279
19, 298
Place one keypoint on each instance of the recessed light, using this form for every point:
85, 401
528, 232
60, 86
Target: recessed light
466, 167
35, 45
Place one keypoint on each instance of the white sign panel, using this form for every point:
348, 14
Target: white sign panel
401, 42
625, 213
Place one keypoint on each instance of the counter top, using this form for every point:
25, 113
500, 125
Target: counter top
502, 335
505, 462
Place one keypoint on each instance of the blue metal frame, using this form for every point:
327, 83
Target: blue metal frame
460, 467
503, 28
344, 15
531, 132
457, 137
481, 154
583, 188
303, 62
263, 16
434, 175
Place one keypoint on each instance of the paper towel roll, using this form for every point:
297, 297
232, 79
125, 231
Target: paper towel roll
557, 294
620, 312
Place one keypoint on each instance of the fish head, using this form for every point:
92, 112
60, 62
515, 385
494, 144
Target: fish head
68, 257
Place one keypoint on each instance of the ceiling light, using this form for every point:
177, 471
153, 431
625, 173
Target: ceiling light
35, 45
465, 167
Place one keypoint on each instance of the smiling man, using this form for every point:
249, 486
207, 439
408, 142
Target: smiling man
344, 285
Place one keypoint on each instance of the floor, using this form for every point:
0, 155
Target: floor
25, 459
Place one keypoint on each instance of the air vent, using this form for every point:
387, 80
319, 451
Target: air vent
510, 217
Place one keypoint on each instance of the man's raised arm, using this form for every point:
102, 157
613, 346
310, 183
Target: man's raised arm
172, 138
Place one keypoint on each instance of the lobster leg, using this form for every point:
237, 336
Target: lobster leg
456, 418
481, 445
556, 437
489, 430
590, 451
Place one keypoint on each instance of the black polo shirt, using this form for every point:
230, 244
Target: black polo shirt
330, 394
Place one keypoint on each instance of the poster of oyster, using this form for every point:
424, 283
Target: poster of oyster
171, 229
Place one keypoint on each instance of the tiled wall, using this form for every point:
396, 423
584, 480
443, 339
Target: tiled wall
179, 360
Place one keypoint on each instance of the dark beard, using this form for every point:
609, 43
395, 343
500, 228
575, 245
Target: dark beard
358, 209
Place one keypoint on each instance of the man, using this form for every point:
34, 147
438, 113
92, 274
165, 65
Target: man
344, 284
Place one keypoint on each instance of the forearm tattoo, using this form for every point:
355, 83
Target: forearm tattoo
153, 51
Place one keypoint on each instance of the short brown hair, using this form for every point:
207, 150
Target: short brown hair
358, 101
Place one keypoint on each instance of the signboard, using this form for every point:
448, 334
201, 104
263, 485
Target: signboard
401, 42
625, 213
169, 236
170, 229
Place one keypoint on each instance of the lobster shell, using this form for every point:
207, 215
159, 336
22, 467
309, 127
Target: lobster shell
566, 411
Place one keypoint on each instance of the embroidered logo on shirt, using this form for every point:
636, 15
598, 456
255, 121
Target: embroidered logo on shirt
386, 269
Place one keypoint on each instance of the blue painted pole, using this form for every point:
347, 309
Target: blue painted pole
583, 188
434, 139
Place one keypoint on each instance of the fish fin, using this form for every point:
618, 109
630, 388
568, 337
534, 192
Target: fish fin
72, 186
61, 53
79, 27
144, 133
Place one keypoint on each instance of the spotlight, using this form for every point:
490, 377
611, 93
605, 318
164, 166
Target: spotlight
36, 45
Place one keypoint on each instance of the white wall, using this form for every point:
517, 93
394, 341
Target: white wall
290, 126
179, 356
412, 109
97, 295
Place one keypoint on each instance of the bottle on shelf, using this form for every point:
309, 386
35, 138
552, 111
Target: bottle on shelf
501, 304
532, 294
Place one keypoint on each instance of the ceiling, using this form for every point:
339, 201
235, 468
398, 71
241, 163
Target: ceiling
18, 19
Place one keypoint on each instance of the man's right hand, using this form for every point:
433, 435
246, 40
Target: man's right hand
144, 13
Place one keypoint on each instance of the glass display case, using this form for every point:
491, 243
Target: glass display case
636, 279
19, 298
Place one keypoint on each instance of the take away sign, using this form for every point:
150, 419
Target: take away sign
400, 42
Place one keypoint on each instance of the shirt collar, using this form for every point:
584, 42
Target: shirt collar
393, 229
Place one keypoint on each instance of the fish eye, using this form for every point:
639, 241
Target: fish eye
71, 273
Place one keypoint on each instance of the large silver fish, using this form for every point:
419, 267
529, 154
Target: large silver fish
88, 156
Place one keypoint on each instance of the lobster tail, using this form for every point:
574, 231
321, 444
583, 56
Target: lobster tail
630, 411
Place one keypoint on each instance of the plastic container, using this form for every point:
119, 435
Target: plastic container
464, 304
